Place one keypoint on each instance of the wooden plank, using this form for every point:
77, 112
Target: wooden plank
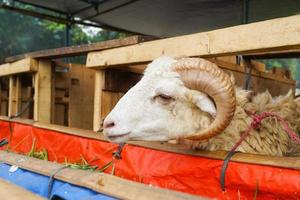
258, 72
109, 100
4, 84
9, 191
99, 83
21, 66
81, 95
60, 98
260, 84
261, 37
88, 89
238, 68
99, 182
82, 49
18, 94
135, 68
60, 111
14, 100
120, 80
285, 162
293, 52
27, 98
43, 92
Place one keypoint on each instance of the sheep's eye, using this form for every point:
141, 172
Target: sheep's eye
164, 99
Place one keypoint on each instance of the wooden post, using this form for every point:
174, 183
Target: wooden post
99, 83
11, 95
81, 96
43, 92
14, 95
4, 90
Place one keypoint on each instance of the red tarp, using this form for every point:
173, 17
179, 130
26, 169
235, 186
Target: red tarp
190, 174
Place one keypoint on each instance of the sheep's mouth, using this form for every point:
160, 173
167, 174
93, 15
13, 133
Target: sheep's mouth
118, 138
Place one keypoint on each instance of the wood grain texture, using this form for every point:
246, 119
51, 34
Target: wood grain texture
262, 37
21, 66
99, 182
81, 96
99, 83
261, 80
4, 86
109, 100
81, 49
120, 80
14, 99
43, 92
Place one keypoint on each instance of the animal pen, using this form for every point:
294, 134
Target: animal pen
57, 107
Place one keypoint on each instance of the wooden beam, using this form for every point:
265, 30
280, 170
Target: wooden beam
81, 96
275, 161
10, 191
272, 35
21, 66
256, 73
43, 92
120, 80
227, 65
4, 84
99, 83
82, 49
108, 102
61, 98
14, 100
289, 53
99, 182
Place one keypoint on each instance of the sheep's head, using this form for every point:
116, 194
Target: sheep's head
187, 98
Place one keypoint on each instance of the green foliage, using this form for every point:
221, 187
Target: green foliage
22, 34
292, 64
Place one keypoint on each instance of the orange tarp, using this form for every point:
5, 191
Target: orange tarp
190, 174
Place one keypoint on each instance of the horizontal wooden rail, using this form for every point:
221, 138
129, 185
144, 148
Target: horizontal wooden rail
281, 34
140, 68
285, 162
21, 66
81, 49
99, 182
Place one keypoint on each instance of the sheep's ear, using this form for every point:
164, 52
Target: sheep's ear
205, 103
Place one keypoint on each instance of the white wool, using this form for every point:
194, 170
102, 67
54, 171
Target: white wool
161, 108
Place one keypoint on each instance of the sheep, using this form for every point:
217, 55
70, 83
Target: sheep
195, 102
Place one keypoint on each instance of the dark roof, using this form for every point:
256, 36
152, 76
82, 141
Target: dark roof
165, 18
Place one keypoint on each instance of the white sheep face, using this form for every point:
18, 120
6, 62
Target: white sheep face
158, 108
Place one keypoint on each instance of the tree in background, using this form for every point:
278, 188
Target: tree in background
21, 34
291, 64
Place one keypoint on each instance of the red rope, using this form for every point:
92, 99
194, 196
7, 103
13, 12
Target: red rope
256, 122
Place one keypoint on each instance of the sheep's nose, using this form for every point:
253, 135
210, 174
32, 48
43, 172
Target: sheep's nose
108, 124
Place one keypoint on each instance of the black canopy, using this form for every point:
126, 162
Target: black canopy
165, 18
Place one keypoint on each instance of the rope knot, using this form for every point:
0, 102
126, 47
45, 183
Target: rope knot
117, 154
256, 119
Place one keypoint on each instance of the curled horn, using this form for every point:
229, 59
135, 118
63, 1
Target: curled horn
202, 75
